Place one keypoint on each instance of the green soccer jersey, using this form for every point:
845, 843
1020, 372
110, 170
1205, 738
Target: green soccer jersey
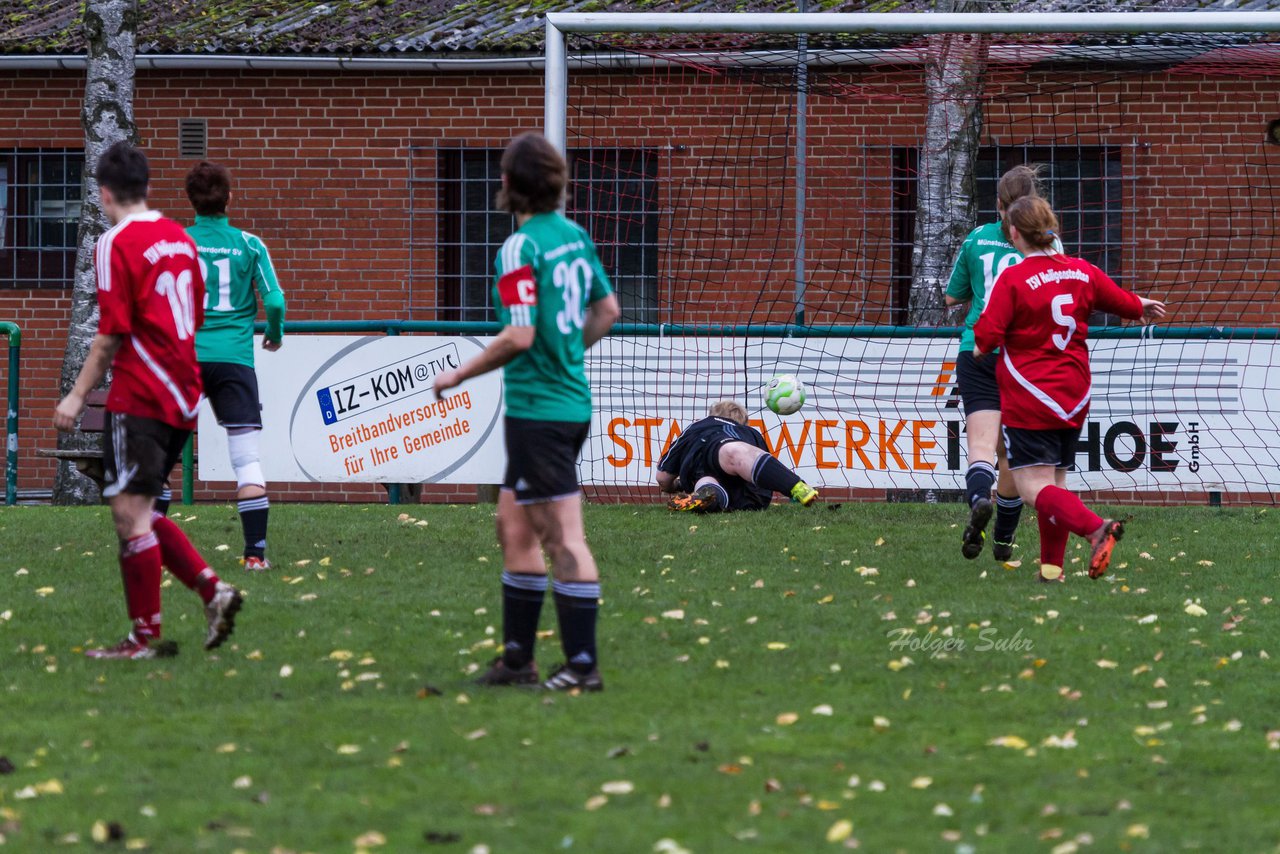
547, 274
984, 255
236, 270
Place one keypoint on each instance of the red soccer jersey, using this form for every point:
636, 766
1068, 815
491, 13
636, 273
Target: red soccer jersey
150, 291
1038, 315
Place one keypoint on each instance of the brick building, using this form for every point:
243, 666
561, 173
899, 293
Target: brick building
363, 140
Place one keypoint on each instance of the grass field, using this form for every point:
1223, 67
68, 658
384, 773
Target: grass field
756, 700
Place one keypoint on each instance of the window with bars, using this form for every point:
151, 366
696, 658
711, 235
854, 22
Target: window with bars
1084, 184
39, 216
612, 194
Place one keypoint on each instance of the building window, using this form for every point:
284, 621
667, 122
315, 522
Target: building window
39, 216
1085, 185
612, 194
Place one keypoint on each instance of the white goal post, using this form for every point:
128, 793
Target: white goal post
920, 23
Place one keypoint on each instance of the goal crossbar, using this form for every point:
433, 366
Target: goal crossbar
914, 22
556, 83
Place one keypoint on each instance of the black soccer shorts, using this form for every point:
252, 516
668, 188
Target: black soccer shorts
233, 393
976, 379
704, 461
138, 454
1055, 448
542, 458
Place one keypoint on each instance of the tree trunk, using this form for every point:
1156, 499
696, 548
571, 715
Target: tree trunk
107, 116
953, 77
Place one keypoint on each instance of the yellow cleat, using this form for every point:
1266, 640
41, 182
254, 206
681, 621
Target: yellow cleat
803, 494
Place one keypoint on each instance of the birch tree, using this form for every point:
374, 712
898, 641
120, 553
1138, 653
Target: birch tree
107, 115
954, 75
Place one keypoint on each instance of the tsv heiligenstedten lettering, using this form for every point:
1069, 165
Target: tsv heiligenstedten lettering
989, 639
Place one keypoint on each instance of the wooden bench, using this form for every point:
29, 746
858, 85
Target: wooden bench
88, 458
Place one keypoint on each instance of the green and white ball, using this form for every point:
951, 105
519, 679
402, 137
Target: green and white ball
785, 394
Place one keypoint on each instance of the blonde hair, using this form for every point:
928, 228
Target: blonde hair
729, 409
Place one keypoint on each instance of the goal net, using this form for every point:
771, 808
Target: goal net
793, 203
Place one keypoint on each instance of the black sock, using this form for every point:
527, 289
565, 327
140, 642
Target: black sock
768, 473
253, 519
1008, 512
162, 503
577, 604
522, 594
978, 481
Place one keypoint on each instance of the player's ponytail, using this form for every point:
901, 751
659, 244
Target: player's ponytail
1034, 219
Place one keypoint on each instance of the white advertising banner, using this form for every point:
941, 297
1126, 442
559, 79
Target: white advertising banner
1167, 414
344, 408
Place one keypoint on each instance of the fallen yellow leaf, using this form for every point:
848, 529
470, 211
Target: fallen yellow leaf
840, 831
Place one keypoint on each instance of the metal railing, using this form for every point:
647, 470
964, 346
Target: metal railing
11, 421
761, 330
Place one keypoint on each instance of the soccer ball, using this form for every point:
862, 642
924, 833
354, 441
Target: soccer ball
785, 394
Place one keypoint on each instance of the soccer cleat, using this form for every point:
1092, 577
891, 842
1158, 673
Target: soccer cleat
565, 678
221, 612
975, 533
133, 648
500, 674
255, 563
703, 500
1104, 541
1049, 574
1002, 551
803, 494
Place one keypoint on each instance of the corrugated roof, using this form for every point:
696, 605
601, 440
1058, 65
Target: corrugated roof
411, 27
